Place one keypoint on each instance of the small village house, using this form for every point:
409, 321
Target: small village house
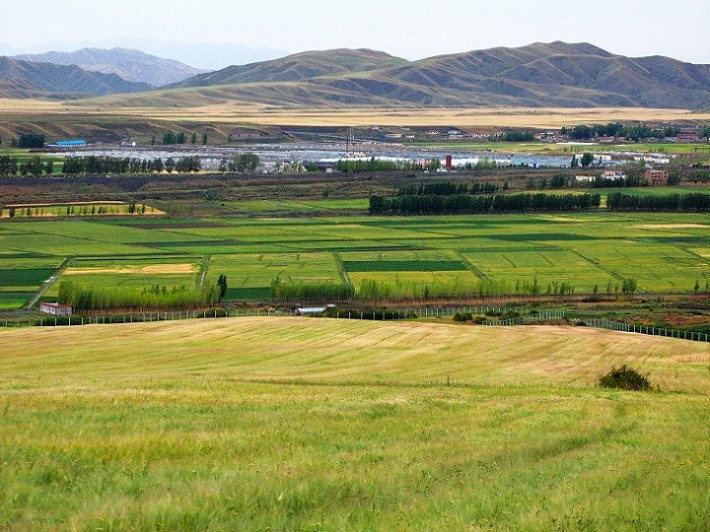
55, 309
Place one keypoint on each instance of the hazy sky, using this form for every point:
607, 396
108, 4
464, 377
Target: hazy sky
408, 28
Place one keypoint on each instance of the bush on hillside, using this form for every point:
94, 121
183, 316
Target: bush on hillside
463, 316
624, 378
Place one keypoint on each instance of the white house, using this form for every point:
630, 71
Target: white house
310, 311
55, 309
613, 174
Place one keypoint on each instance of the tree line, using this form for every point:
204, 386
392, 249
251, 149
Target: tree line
447, 189
170, 138
379, 165
636, 132
35, 166
513, 136
288, 291
617, 129
28, 140
694, 201
468, 204
84, 299
95, 165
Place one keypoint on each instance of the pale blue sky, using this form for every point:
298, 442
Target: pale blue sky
412, 29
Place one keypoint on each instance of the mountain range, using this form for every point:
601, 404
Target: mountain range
26, 79
542, 74
131, 65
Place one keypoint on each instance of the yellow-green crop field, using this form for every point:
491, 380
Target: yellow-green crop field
451, 256
317, 424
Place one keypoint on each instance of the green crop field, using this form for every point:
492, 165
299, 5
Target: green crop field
451, 255
251, 274
274, 206
316, 424
131, 273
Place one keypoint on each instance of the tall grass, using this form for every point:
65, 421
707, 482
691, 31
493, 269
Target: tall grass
85, 299
348, 425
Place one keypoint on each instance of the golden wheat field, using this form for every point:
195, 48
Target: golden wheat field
237, 112
329, 351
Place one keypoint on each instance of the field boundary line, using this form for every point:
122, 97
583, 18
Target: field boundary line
470, 266
203, 272
706, 260
49, 282
341, 268
596, 264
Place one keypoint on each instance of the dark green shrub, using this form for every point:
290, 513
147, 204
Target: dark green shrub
463, 316
509, 314
625, 378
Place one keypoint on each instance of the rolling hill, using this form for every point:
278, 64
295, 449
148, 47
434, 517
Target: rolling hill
258, 423
131, 65
298, 67
26, 79
541, 74
554, 74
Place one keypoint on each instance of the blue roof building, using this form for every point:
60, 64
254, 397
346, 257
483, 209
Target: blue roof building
71, 143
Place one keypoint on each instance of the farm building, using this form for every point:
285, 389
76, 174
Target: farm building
55, 309
310, 311
656, 177
613, 174
71, 143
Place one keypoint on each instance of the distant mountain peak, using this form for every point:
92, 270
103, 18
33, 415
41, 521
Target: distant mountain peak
129, 64
29, 79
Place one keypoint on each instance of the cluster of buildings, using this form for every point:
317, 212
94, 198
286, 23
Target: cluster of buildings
653, 177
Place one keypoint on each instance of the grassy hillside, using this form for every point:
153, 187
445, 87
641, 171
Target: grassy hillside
26, 79
353, 352
297, 67
332, 425
540, 74
131, 65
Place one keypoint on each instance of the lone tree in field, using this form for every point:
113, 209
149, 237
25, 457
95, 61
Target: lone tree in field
222, 284
629, 287
587, 159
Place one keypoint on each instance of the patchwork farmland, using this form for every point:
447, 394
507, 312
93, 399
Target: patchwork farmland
394, 258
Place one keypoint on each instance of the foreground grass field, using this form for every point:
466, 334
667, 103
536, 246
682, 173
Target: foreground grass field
328, 425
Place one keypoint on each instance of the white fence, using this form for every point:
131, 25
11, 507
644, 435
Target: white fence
421, 312
645, 329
